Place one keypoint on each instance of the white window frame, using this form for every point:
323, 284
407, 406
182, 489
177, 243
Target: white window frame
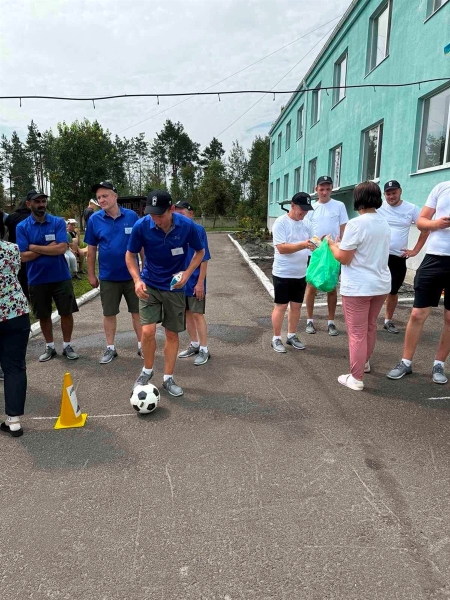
365, 135
288, 136
297, 179
300, 121
336, 179
432, 8
280, 135
338, 93
312, 175
277, 190
315, 105
373, 36
446, 160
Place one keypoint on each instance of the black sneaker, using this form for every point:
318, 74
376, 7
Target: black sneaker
4, 427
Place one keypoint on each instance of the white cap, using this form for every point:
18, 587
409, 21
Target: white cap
92, 201
71, 221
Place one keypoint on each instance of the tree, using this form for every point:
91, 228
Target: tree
16, 166
258, 169
174, 148
84, 155
214, 151
238, 172
214, 194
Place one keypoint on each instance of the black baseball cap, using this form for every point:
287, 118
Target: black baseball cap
392, 185
104, 184
33, 195
303, 200
324, 179
183, 204
158, 201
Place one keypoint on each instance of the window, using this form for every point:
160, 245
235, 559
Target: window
340, 78
272, 153
277, 190
379, 36
435, 138
372, 141
300, 121
279, 145
286, 187
297, 174
336, 158
312, 175
315, 105
288, 136
433, 5
271, 192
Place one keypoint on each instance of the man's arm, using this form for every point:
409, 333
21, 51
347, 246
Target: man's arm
91, 256
53, 249
419, 245
132, 265
199, 289
28, 255
195, 261
291, 248
425, 222
345, 257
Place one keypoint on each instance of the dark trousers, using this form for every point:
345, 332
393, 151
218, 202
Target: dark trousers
23, 279
14, 334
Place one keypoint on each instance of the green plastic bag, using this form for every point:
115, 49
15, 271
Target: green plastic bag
323, 269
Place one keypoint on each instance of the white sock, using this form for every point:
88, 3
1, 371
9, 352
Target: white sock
65, 344
195, 344
406, 362
330, 322
439, 362
204, 348
276, 337
147, 371
166, 377
13, 423
310, 320
387, 321
139, 345
289, 335
111, 346
51, 345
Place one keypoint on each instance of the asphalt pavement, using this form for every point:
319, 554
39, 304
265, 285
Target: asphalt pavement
266, 480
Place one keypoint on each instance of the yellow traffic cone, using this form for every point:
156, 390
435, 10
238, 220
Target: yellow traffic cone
70, 414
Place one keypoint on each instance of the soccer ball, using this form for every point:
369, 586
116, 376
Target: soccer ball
144, 398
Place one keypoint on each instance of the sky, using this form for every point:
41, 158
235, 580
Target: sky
88, 48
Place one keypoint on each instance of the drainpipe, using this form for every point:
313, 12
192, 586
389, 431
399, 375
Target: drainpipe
303, 84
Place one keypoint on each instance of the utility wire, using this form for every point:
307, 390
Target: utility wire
233, 74
228, 92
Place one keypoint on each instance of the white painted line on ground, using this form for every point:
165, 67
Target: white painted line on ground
440, 398
36, 328
89, 417
268, 284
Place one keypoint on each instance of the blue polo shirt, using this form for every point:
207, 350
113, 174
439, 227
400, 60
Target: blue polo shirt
165, 253
193, 279
45, 269
111, 236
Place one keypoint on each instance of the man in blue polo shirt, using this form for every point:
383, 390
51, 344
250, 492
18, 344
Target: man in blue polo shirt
42, 240
109, 230
166, 238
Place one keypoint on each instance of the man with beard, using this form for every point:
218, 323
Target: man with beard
42, 240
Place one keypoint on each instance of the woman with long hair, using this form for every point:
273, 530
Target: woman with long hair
365, 278
14, 334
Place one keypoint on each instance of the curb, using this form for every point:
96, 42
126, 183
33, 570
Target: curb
36, 328
267, 283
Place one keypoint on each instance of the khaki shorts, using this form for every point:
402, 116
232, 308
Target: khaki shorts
111, 293
167, 308
195, 306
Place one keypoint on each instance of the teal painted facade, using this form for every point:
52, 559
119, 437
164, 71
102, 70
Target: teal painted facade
415, 52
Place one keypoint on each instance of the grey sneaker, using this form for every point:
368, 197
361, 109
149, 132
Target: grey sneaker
310, 327
390, 327
332, 329
438, 374
201, 358
191, 351
108, 355
277, 345
48, 354
295, 343
70, 353
170, 386
399, 371
143, 379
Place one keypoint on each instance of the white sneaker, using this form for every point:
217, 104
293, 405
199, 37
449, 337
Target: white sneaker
350, 382
367, 367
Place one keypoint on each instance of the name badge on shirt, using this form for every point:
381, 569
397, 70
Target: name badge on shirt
128, 230
177, 251
50, 237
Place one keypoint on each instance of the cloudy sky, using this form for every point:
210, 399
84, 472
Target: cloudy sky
104, 47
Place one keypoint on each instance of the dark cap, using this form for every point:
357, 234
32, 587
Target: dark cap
158, 201
104, 184
33, 195
183, 204
324, 179
303, 200
392, 185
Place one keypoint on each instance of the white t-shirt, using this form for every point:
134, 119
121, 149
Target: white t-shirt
327, 218
439, 199
368, 273
287, 231
399, 219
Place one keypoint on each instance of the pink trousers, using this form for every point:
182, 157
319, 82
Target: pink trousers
361, 313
